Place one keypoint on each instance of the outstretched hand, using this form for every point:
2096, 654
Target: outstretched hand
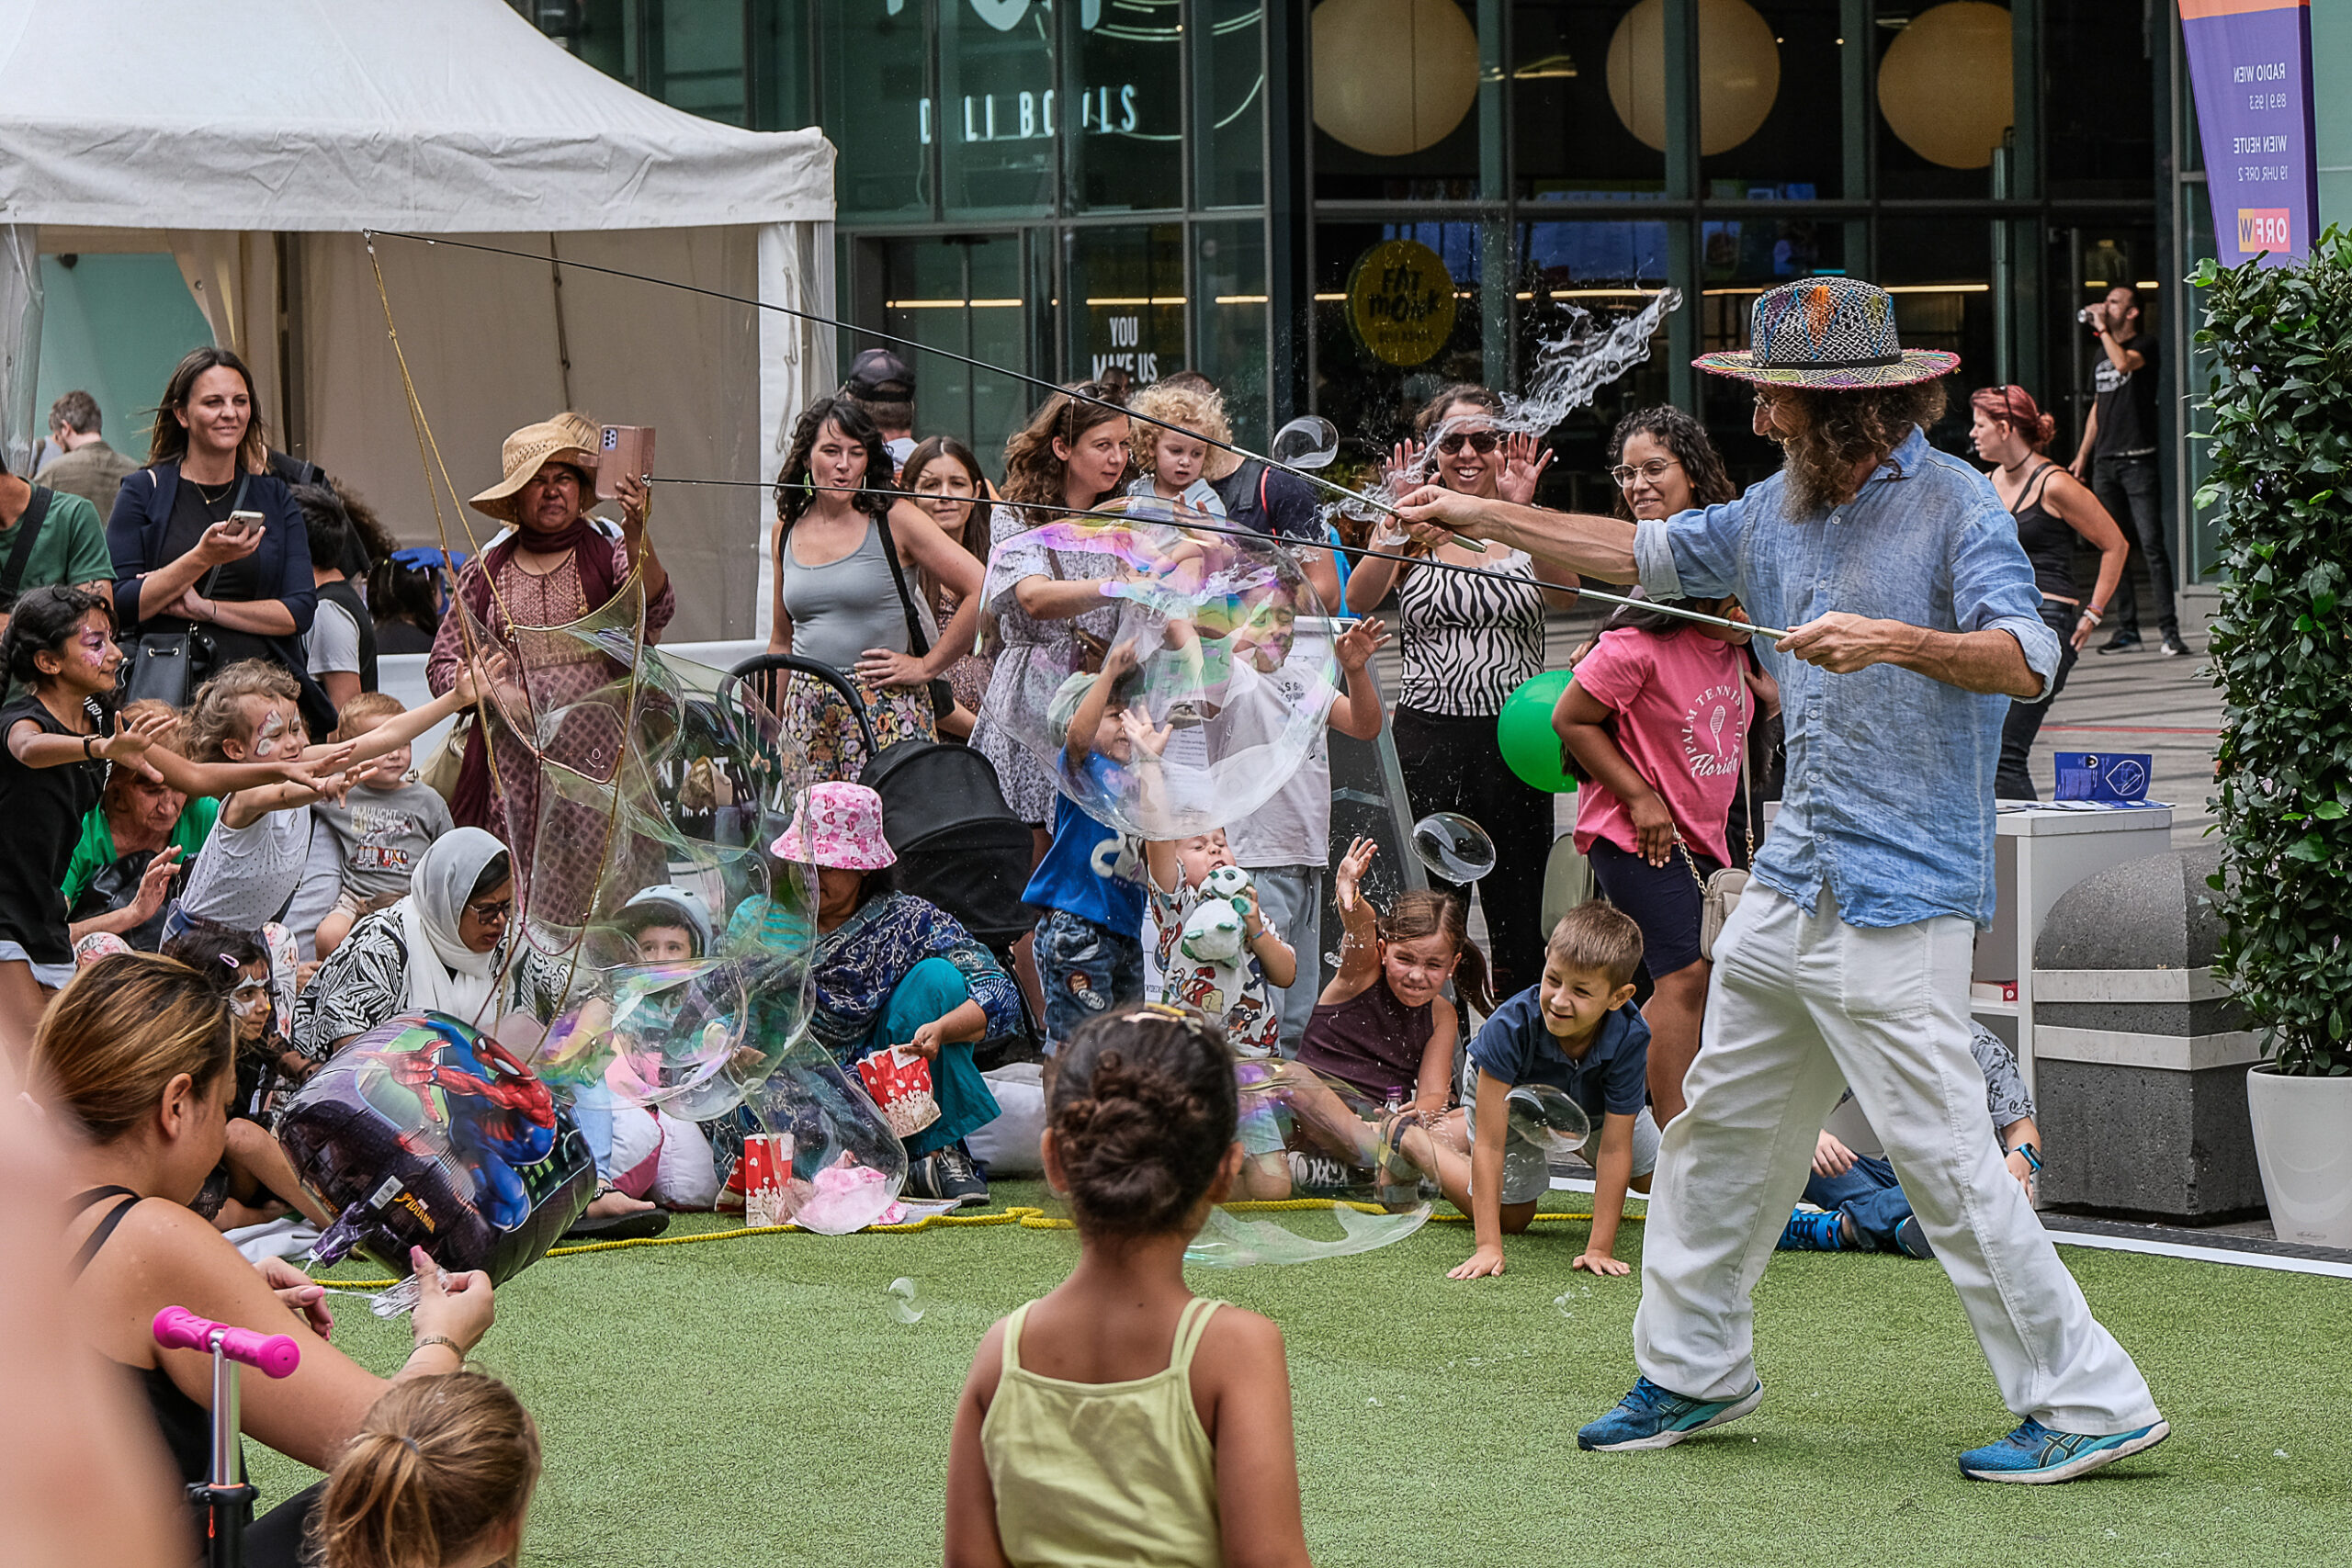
1346, 883
1524, 460
1840, 643
1355, 647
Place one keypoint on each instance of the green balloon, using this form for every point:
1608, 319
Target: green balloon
1524, 732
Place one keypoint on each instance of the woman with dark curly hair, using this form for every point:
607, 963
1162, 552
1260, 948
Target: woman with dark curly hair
847, 549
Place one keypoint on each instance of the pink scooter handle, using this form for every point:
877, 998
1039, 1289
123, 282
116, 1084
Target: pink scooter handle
176, 1328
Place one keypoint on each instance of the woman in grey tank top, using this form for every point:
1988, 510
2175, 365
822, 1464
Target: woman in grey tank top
835, 598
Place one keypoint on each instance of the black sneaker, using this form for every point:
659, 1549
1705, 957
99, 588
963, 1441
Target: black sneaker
2121, 643
2172, 646
947, 1173
1910, 1240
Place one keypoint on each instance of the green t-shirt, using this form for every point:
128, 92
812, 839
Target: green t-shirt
71, 548
94, 852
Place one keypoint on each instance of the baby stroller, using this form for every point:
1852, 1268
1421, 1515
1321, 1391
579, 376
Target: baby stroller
959, 843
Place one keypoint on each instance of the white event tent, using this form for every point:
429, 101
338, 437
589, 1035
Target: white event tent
254, 142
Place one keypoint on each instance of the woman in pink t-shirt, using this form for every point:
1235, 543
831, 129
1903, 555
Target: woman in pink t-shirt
1622, 724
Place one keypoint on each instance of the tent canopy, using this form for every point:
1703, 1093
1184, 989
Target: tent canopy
448, 115
253, 141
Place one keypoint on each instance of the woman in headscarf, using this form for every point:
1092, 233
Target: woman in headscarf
447, 947
528, 592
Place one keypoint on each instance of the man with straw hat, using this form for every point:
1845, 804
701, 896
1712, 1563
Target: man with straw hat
1914, 620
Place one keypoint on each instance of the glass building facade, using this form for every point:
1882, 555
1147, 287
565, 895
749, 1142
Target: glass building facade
1062, 187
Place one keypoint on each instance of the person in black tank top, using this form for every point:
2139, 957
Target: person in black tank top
136, 1053
2051, 508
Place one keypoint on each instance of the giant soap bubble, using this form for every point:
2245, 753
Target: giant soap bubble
1209, 696
424, 1132
1308, 1135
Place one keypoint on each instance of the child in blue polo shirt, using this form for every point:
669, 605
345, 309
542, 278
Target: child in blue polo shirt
1089, 945
1575, 1033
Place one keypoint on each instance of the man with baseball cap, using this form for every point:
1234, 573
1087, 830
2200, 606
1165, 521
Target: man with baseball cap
880, 383
1914, 620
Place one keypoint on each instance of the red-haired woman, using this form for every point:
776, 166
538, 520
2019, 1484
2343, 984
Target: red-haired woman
2050, 507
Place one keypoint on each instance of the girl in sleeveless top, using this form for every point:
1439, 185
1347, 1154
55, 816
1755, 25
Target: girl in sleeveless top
2050, 507
1120, 1419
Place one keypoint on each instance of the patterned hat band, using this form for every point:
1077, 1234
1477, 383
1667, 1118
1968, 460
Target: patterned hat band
1829, 363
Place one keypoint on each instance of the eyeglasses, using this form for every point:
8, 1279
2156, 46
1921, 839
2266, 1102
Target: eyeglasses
1653, 471
491, 914
1479, 441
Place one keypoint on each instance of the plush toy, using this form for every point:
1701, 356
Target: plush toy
1216, 934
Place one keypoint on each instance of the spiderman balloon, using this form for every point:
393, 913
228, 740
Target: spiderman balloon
424, 1132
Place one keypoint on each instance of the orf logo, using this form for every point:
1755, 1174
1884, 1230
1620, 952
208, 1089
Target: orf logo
2263, 228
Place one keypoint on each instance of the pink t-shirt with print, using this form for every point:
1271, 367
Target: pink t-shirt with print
1682, 712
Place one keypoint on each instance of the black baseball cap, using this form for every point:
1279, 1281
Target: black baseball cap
878, 373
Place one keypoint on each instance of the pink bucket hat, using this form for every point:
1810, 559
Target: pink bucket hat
838, 825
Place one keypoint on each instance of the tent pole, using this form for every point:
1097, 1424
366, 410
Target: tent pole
562, 338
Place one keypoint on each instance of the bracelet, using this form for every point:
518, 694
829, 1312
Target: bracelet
2032, 1156
432, 1339
89, 741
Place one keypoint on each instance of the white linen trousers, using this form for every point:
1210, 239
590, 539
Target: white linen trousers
1799, 1004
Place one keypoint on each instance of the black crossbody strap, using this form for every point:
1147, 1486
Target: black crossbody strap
917, 644
27, 533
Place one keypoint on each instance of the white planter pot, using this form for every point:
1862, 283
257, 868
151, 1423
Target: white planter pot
2302, 1140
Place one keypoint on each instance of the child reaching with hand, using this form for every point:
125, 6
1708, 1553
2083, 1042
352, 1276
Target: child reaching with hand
1120, 1418
439, 1475
55, 744
382, 828
1230, 988
1572, 1031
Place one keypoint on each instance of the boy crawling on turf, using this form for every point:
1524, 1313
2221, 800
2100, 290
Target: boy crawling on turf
1575, 1033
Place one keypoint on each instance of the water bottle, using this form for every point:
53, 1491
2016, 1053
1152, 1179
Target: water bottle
1386, 1188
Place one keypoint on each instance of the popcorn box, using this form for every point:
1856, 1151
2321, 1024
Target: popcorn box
767, 1171
900, 1082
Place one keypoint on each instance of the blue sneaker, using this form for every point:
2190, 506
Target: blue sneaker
1651, 1417
1809, 1230
2036, 1456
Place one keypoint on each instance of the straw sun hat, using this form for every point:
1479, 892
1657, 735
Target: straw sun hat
1832, 332
567, 438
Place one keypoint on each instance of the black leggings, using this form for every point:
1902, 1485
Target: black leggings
2014, 781
1456, 764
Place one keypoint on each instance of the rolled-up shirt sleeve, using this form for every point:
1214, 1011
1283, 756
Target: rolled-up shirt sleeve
1992, 590
1692, 555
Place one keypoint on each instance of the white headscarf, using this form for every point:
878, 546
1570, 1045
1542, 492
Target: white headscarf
443, 974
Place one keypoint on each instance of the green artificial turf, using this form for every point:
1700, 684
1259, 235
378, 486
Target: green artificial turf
756, 1401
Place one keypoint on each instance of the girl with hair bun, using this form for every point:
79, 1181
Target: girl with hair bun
2050, 507
1120, 1418
439, 1475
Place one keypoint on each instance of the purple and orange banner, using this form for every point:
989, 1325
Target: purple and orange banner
2250, 64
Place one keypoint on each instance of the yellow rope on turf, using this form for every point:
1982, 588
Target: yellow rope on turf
1025, 1218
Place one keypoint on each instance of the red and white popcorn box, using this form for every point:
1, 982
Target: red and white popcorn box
768, 1195
900, 1082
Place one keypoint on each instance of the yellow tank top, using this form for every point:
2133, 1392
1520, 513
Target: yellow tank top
1104, 1475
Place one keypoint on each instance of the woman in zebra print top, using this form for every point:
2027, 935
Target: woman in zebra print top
1466, 643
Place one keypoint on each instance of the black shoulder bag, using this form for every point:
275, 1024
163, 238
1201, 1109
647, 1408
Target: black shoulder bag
28, 535
943, 695
169, 666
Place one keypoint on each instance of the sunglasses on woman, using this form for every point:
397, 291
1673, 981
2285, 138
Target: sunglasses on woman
1479, 441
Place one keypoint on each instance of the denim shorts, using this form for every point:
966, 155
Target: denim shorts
1083, 968
1664, 900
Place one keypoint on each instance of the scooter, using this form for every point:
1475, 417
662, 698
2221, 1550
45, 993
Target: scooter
226, 1496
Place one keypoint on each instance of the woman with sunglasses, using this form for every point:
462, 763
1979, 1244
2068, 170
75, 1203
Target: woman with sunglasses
1466, 642
2050, 507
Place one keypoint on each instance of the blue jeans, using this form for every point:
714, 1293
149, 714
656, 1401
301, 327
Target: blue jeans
1868, 1195
1083, 968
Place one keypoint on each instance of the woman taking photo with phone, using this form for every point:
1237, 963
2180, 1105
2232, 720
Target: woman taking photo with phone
206, 542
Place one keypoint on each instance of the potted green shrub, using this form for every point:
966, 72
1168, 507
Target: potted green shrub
2279, 420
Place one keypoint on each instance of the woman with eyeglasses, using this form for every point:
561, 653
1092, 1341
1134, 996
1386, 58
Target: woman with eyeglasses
1466, 642
2050, 507
1054, 619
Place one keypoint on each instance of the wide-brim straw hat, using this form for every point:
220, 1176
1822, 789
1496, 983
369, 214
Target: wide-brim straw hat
1831, 333
567, 438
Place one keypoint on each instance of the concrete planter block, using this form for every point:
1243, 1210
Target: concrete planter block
2141, 1053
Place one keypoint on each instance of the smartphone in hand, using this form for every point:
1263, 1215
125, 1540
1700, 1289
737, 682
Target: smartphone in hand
245, 522
622, 449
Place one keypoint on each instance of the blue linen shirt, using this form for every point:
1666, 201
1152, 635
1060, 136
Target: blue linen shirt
1889, 799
